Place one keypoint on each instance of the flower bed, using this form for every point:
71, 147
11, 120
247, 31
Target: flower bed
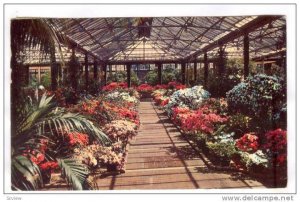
229, 138
79, 139
147, 90
115, 111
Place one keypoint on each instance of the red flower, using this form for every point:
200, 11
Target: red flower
201, 120
276, 140
276, 144
145, 88
127, 114
163, 86
76, 138
281, 159
247, 143
175, 85
158, 99
49, 165
113, 86
38, 158
164, 102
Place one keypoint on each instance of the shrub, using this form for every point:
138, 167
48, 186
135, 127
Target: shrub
168, 74
121, 77
189, 97
257, 95
219, 106
178, 114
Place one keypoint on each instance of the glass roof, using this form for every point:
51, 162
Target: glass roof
167, 38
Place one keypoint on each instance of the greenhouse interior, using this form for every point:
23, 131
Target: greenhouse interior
148, 103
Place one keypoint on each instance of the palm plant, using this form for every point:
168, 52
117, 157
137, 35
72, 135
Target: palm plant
45, 120
31, 34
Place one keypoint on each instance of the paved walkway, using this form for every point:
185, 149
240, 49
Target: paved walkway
159, 159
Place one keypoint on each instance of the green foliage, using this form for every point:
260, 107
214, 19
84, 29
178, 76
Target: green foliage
233, 69
256, 159
72, 73
258, 95
219, 85
94, 87
223, 150
25, 174
239, 124
46, 118
76, 174
46, 80
168, 74
151, 77
121, 76
41, 121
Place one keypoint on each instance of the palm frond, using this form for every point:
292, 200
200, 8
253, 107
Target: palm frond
66, 121
44, 108
76, 174
46, 116
25, 174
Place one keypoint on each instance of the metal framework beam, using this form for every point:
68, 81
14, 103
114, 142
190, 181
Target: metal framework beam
249, 27
183, 69
95, 70
54, 70
195, 71
124, 62
264, 57
159, 68
128, 69
103, 74
86, 72
205, 69
246, 55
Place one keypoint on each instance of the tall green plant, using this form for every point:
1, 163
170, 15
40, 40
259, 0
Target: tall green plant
45, 120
